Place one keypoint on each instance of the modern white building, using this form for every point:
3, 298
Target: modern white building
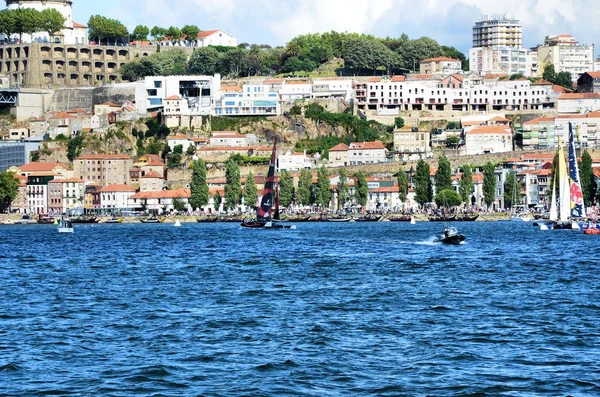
292, 90
566, 54
505, 59
197, 91
215, 38
227, 139
578, 103
497, 31
440, 65
72, 33
115, 197
366, 153
180, 139
249, 100
332, 88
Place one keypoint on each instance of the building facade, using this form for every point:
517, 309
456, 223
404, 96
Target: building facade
497, 31
104, 169
566, 55
441, 65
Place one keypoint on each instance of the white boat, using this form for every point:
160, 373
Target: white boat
177, 223
412, 220
65, 226
522, 216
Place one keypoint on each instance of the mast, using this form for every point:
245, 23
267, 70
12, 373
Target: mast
266, 203
553, 209
276, 214
576, 196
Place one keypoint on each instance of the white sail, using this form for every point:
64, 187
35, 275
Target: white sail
563, 185
553, 208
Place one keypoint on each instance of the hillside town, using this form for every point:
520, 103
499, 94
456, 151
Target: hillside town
510, 106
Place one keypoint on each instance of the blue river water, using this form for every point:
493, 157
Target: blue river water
329, 309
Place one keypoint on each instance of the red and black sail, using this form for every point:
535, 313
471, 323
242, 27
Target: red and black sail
266, 203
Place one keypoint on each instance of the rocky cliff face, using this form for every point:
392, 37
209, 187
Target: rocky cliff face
86, 97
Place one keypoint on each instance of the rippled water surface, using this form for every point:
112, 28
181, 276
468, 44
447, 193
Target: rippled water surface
325, 310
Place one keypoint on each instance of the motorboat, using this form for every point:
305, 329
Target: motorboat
65, 226
451, 236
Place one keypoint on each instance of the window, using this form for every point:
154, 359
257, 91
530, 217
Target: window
157, 84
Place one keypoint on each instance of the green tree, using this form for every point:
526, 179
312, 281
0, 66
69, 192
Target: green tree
305, 186
588, 181
105, 28
140, 33
9, 187
511, 190
198, 186
191, 150
204, 61
423, 188
448, 198
217, 200
323, 191
489, 183
51, 21
26, 21
342, 189
466, 184
398, 122
233, 185
174, 34
452, 141
453, 53
443, 175
178, 149
361, 189
251, 195
7, 22
74, 147
402, 185
179, 205
286, 189
564, 80
174, 160
549, 73
158, 33
412, 52
190, 32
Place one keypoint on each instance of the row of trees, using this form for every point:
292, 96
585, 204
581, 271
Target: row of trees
306, 193
9, 187
305, 53
173, 33
29, 21
107, 29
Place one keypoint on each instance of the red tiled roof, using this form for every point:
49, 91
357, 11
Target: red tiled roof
178, 136
231, 88
538, 120
163, 194
477, 177
374, 79
173, 98
594, 75
70, 180
273, 81
340, 147
422, 77
227, 134
205, 33
117, 188
440, 59
498, 118
104, 157
367, 145
39, 167
542, 82
538, 156
77, 25
490, 76
152, 175
490, 129
398, 79
62, 115
154, 163
588, 95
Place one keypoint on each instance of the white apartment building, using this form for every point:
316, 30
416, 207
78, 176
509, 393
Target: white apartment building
578, 103
411, 145
66, 196
497, 31
366, 153
455, 92
249, 100
115, 196
293, 161
332, 88
505, 59
543, 132
174, 107
440, 65
292, 90
180, 139
227, 139
198, 91
488, 139
159, 201
567, 55
215, 38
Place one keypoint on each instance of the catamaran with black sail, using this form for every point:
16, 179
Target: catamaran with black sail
265, 217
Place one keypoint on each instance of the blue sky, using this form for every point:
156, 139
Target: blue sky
274, 22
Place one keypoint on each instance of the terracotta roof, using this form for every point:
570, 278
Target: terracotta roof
366, 145
422, 77
150, 157
205, 33
440, 59
173, 98
62, 115
491, 76
154, 163
297, 82
498, 118
227, 148
398, 79
77, 25
152, 175
594, 75
77, 111
178, 136
163, 194
231, 88
471, 122
542, 172
273, 81
70, 180
385, 189
374, 79
538, 156
104, 157
558, 88
538, 120
490, 129
39, 166
227, 134
571, 116
340, 147
542, 82
117, 188
589, 95
477, 177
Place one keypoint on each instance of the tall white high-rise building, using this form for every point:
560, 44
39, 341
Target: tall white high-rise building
497, 31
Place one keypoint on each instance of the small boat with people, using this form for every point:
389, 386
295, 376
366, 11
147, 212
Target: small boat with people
65, 226
114, 220
85, 219
451, 236
152, 219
